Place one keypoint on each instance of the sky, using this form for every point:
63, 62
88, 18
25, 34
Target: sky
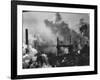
34, 21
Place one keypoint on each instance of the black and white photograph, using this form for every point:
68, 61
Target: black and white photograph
55, 39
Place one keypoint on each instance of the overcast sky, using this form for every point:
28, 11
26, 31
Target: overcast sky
35, 18
35, 21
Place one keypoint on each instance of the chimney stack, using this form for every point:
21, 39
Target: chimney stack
26, 33
27, 43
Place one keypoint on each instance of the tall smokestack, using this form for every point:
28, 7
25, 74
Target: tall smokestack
26, 33
70, 39
58, 46
27, 43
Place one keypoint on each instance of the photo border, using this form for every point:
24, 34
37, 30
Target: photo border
14, 38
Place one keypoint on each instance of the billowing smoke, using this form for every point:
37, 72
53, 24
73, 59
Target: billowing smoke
37, 27
47, 30
44, 32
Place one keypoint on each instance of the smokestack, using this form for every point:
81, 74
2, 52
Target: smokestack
70, 39
58, 46
26, 33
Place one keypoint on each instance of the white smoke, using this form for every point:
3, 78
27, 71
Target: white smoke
39, 28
